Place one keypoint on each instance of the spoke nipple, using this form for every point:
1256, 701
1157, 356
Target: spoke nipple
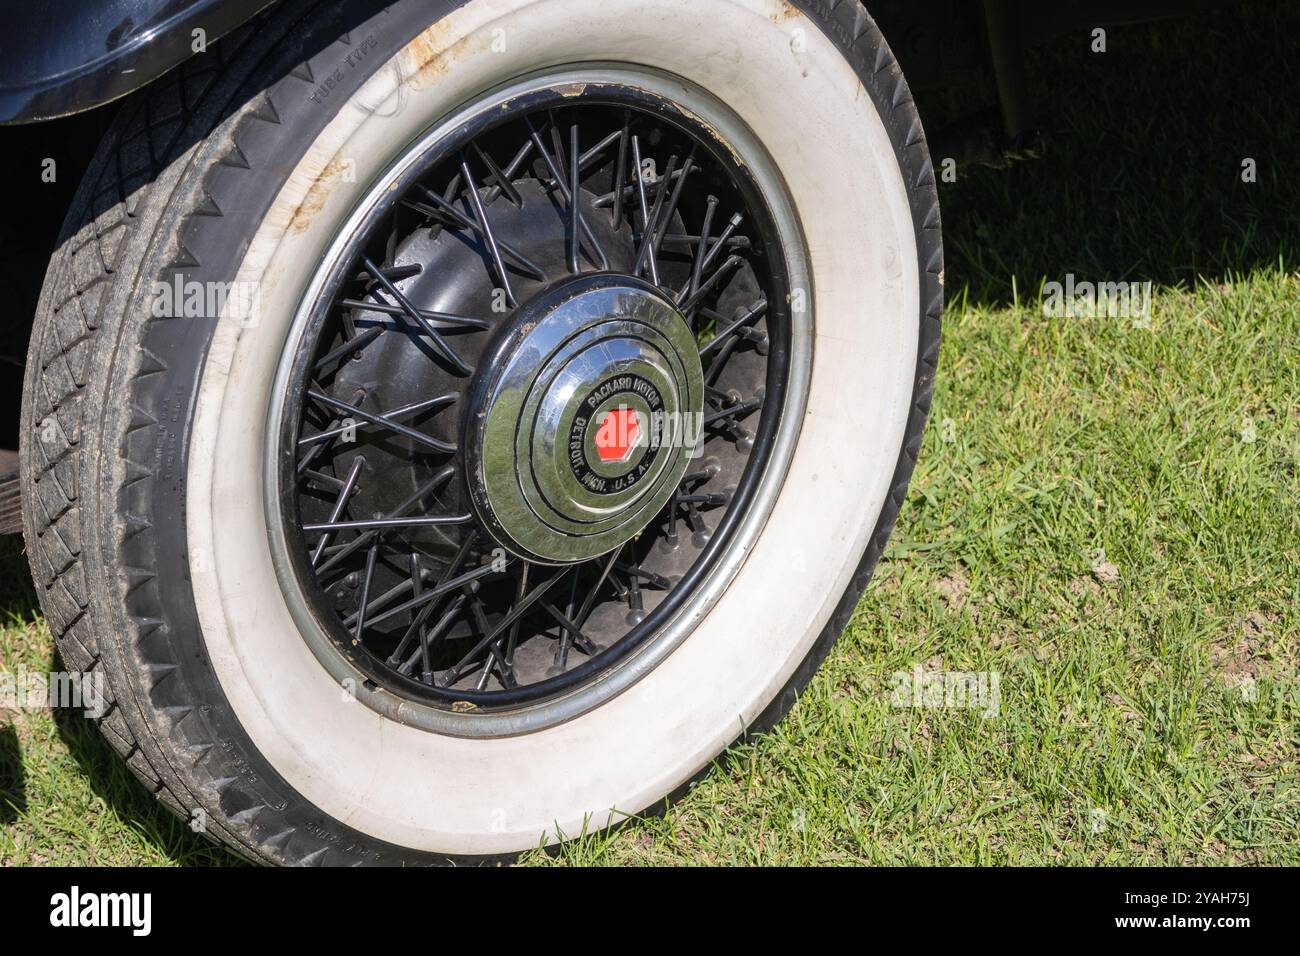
700, 538
744, 440
352, 580
670, 542
635, 617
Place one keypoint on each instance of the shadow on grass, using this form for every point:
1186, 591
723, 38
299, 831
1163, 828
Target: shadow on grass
112, 781
1141, 178
102, 767
13, 781
18, 601
18, 605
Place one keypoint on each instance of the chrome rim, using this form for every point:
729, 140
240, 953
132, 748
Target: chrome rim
452, 534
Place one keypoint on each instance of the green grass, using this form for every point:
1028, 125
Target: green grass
66, 798
1104, 516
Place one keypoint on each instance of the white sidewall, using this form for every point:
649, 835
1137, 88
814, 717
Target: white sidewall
792, 87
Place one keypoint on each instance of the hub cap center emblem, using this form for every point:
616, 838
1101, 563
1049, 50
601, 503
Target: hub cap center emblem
617, 436
580, 423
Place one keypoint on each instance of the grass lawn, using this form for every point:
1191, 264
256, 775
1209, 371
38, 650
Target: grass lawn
1105, 518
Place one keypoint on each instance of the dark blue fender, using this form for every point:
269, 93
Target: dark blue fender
65, 56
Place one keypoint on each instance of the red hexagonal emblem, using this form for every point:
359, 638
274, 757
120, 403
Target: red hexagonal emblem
617, 435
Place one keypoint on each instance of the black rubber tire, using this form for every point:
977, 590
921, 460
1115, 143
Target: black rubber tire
183, 176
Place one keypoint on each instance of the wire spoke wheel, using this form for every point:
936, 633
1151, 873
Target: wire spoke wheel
537, 394
560, 373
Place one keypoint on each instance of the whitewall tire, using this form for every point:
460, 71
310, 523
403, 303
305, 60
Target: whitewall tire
231, 698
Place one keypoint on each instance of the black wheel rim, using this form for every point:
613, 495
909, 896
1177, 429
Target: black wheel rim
397, 566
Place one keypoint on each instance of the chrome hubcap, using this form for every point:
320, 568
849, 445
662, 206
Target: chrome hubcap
583, 425
536, 406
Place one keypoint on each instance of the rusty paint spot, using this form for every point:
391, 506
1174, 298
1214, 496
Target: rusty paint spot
318, 195
426, 47
785, 12
433, 53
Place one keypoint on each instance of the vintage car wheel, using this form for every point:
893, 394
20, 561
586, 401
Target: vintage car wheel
449, 426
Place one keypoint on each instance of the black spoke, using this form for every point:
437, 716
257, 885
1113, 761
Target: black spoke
649, 244
442, 206
512, 640
572, 633
521, 607
344, 494
590, 156
740, 326
616, 215
693, 300
433, 484
485, 228
417, 625
495, 650
422, 521
674, 200
569, 199
629, 192
399, 554
385, 420
638, 170
351, 347
512, 169
380, 420
371, 556
442, 321
427, 638
413, 313
701, 251
590, 599
706, 260
445, 587
497, 178
575, 207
